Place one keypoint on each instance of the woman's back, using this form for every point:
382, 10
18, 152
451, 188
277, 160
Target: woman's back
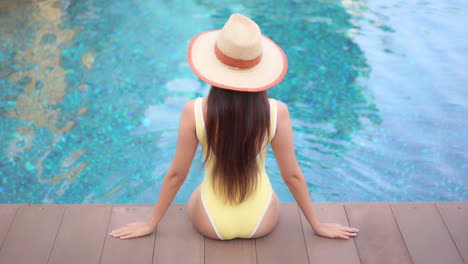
231, 220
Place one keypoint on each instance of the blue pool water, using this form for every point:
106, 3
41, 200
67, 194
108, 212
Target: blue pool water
91, 93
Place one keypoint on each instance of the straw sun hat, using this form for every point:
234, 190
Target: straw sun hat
237, 57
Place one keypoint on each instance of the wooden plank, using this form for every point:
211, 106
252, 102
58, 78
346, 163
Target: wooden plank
175, 231
379, 239
32, 235
136, 250
7, 214
425, 234
230, 251
81, 235
286, 243
455, 216
326, 250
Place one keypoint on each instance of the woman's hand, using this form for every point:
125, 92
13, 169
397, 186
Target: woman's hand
335, 230
132, 230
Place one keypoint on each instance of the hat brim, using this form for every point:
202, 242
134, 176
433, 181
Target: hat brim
267, 73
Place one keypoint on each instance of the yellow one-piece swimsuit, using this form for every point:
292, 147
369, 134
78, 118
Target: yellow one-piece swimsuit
240, 220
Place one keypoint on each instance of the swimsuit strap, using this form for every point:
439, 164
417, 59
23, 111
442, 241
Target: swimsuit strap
199, 121
273, 118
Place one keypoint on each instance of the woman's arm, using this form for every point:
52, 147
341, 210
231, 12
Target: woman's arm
186, 147
291, 173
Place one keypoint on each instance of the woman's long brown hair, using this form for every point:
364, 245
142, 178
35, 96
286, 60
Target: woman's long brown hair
237, 123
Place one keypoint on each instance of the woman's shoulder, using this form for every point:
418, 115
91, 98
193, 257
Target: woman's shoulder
191, 103
188, 113
282, 107
189, 106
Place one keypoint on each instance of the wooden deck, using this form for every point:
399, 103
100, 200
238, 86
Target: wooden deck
423, 232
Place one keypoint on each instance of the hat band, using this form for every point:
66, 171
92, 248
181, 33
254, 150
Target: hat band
238, 63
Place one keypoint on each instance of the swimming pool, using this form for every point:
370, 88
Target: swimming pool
91, 93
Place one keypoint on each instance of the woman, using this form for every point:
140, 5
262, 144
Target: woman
235, 124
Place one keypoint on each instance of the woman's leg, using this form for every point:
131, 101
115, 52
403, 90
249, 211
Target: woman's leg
269, 219
198, 215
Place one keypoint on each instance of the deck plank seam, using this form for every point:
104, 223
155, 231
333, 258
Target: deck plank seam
105, 233
256, 253
303, 235
154, 244
9, 227
354, 238
56, 234
399, 230
448, 231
